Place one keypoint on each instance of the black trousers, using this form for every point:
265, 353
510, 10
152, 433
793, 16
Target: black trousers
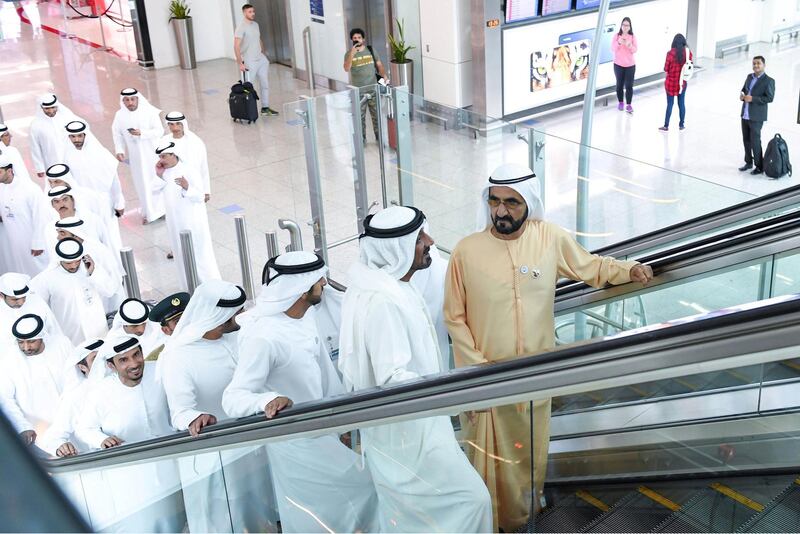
751, 137
624, 79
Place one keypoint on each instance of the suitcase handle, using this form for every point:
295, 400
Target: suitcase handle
243, 75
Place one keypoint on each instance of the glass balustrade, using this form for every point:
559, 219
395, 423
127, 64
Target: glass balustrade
433, 449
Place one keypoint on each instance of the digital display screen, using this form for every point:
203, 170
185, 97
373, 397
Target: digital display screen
589, 4
606, 54
551, 7
517, 10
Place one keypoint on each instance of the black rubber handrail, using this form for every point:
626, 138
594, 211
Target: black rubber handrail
709, 475
486, 374
687, 251
764, 201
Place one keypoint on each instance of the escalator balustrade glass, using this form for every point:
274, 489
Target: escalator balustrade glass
468, 452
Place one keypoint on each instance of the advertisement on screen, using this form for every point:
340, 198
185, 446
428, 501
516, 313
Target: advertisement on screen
548, 61
563, 64
606, 54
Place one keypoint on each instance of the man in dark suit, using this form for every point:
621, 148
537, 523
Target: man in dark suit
757, 92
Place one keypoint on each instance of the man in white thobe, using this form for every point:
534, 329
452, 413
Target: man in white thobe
33, 377
128, 406
282, 356
24, 217
74, 287
181, 186
132, 320
59, 439
47, 142
75, 228
424, 480
136, 130
13, 155
92, 166
66, 203
190, 145
430, 284
12, 152
196, 366
19, 300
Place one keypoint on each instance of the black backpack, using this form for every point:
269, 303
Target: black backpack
776, 158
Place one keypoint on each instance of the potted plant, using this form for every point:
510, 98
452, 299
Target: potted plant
184, 37
401, 68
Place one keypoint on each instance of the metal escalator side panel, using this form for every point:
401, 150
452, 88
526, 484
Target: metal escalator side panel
782, 514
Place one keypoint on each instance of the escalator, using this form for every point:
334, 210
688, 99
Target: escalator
627, 435
731, 339
660, 421
764, 504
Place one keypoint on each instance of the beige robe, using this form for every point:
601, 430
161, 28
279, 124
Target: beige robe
499, 302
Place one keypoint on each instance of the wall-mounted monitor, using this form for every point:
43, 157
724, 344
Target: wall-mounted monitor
589, 4
551, 7
517, 10
548, 61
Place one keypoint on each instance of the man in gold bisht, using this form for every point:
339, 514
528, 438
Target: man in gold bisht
499, 302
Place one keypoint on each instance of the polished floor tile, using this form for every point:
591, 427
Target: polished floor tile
639, 179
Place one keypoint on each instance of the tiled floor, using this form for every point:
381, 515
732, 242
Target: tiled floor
260, 170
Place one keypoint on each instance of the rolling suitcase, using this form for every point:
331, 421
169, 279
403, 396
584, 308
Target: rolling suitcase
243, 101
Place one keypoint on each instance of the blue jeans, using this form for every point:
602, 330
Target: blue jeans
681, 108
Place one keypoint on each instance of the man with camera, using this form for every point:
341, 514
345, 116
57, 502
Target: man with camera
365, 69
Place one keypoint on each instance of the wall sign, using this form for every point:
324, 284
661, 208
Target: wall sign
317, 11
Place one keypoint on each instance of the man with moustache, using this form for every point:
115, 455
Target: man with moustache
47, 141
424, 481
126, 406
33, 377
74, 287
195, 367
24, 219
499, 302
136, 130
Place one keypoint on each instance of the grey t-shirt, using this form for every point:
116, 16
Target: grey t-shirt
250, 34
362, 69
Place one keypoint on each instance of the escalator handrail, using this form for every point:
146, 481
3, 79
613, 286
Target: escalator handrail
467, 386
738, 237
731, 215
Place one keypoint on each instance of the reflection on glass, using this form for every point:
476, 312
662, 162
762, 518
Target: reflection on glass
498, 443
786, 279
700, 294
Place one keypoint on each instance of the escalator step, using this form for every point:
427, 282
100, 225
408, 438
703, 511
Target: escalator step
780, 515
714, 509
640, 511
571, 514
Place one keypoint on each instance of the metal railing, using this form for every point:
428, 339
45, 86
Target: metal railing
752, 334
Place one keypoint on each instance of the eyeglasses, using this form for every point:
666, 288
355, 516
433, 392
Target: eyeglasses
509, 203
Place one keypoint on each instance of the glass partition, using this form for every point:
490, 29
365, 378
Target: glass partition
422, 469
438, 158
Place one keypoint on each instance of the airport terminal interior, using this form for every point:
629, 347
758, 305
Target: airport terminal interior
220, 312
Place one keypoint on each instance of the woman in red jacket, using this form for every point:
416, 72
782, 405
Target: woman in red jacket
673, 84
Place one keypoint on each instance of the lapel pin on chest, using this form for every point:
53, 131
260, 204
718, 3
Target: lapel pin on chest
536, 273
524, 269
